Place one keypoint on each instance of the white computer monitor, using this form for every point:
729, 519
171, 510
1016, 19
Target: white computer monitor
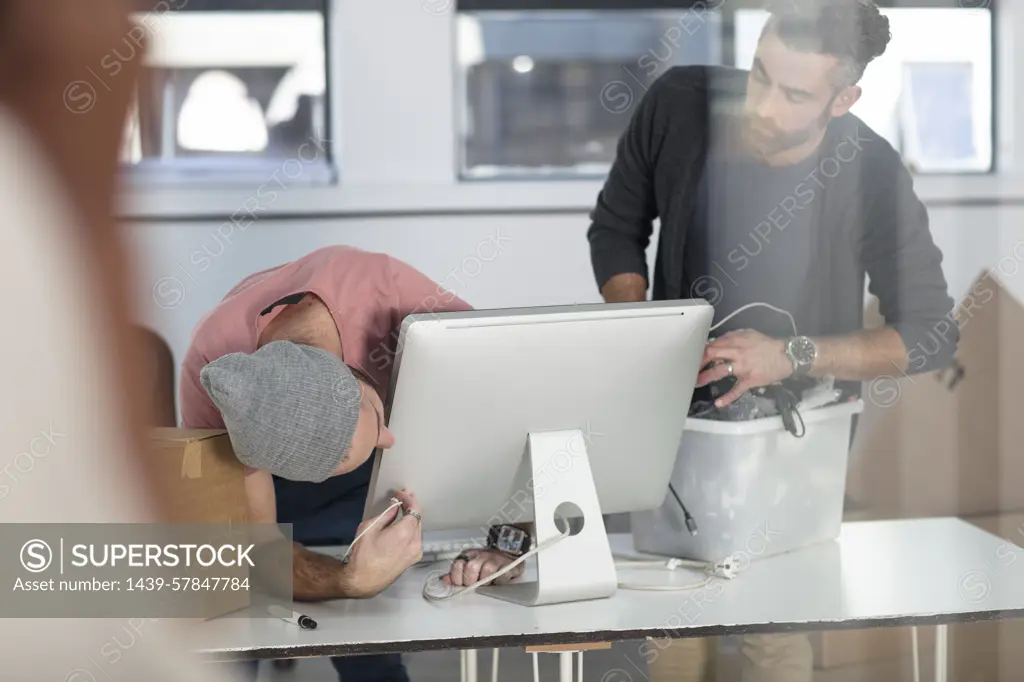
502, 416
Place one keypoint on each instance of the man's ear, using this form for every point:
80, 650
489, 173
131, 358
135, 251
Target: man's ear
846, 98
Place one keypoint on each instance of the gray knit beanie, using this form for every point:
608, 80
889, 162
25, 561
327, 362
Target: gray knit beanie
289, 409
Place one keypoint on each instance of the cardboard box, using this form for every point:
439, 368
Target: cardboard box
947, 443
207, 486
986, 651
206, 480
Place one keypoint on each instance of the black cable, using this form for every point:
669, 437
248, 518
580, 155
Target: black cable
691, 524
786, 402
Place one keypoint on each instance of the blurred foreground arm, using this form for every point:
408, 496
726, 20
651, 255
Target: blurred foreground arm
70, 378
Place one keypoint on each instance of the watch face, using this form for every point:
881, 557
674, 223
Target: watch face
510, 540
803, 350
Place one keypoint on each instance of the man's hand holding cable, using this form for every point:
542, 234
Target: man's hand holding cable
478, 565
385, 551
752, 357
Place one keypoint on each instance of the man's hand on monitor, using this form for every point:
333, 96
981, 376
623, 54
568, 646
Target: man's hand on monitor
386, 550
481, 564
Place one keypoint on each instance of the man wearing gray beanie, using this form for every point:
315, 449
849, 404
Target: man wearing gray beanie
295, 363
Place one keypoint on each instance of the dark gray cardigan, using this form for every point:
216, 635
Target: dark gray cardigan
871, 222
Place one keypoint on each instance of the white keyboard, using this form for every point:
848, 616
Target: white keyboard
446, 550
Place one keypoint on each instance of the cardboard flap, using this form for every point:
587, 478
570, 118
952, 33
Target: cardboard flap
190, 442
171, 434
192, 460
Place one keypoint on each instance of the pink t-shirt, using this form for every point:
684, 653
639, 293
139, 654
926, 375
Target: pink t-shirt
368, 294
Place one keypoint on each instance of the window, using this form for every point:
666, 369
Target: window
549, 92
235, 90
930, 94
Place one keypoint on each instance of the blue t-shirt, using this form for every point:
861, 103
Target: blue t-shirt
754, 239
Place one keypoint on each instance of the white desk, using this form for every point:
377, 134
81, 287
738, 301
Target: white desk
880, 573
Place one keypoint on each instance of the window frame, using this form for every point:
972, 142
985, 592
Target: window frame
727, 11
150, 175
559, 174
397, 147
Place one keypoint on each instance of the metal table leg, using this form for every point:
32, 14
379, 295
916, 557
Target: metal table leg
565, 666
916, 654
941, 653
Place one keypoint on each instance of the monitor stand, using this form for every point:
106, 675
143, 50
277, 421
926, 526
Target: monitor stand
576, 568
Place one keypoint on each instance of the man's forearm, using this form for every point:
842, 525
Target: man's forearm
627, 287
860, 356
316, 576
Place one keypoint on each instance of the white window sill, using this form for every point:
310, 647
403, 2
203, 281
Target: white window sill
269, 198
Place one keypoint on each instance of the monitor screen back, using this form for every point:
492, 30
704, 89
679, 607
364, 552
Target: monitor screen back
468, 388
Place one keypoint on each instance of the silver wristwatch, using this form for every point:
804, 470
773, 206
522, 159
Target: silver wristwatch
802, 352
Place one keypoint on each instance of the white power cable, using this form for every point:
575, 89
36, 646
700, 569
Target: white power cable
752, 305
469, 588
394, 503
536, 668
670, 564
726, 569
667, 588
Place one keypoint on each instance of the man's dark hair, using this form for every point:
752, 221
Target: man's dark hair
852, 30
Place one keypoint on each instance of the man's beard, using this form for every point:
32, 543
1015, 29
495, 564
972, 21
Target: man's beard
764, 140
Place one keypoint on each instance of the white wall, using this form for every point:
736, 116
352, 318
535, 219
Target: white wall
188, 267
185, 268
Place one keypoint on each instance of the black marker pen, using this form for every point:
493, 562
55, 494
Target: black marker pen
304, 622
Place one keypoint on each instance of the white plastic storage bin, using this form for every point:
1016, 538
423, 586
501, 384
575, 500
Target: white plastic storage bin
752, 487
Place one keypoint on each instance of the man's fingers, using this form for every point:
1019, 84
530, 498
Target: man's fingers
408, 532
471, 573
712, 374
716, 352
374, 527
384, 522
480, 566
739, 389
456, 572
409, 501
510, 576
490, 567
410, 504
